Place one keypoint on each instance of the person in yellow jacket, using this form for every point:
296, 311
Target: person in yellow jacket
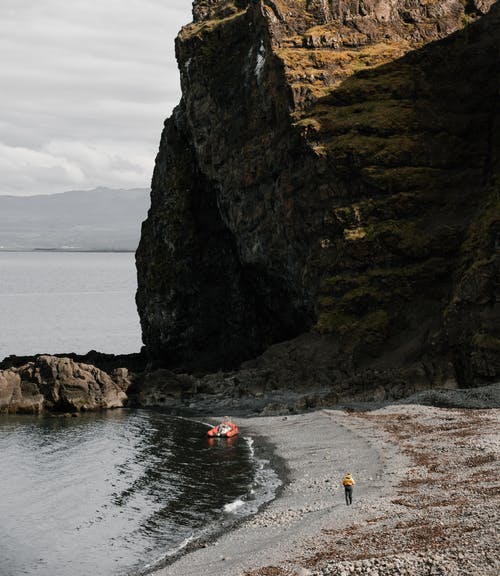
348, 483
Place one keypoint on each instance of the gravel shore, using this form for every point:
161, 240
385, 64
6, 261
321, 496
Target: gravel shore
426, 501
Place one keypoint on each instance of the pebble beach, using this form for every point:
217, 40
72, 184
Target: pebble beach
426, 500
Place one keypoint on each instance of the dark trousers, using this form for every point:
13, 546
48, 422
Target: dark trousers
348, 495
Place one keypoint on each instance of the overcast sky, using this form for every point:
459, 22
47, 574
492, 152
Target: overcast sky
86, 86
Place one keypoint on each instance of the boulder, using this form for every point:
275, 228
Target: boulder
49, 383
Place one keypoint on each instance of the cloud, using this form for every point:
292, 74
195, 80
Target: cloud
85, 91
64, 165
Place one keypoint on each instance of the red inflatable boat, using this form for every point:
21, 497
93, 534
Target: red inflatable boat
225, 429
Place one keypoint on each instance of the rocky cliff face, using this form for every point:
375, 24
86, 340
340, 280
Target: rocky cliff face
332, 168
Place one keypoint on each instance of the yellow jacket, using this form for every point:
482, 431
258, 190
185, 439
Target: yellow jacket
348, 480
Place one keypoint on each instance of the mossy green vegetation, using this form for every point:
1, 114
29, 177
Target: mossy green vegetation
381, 241
484, 233
371, 329
486, 342
426, 180
382, 118
212, 41
229, 10
363, 307
473, 304
315, 73
406, 161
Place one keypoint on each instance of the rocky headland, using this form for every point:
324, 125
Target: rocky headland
325, 204
325, 216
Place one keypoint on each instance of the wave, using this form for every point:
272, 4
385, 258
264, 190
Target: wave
163, 559
233, 506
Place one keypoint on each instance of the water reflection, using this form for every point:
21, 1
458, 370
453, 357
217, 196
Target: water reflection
104, 493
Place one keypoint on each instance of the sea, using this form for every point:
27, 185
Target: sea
60, 302
110, 493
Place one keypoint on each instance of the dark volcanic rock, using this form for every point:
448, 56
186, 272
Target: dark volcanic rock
61, 385
162, 388
332, 169
135, 362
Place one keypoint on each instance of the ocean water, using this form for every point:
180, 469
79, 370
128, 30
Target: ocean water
59, 302
113, 493
116, 493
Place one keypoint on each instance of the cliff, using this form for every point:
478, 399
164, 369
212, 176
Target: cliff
330, 180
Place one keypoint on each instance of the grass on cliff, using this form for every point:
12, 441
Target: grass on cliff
486, 342
315, 72
479, 277
397, 135
202, 29
371, 329
484, 232
364, 306
376, 241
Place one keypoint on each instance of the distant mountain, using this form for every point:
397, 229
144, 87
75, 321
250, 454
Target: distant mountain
99, 219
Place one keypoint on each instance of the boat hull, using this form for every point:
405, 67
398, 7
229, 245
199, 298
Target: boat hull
216, 432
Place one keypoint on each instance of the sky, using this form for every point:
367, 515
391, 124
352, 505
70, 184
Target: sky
85, 88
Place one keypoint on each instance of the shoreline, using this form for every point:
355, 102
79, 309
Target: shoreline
311, 491
265, 452
397, 510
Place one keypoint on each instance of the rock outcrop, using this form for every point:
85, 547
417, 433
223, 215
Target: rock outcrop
53, 384
331, 169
